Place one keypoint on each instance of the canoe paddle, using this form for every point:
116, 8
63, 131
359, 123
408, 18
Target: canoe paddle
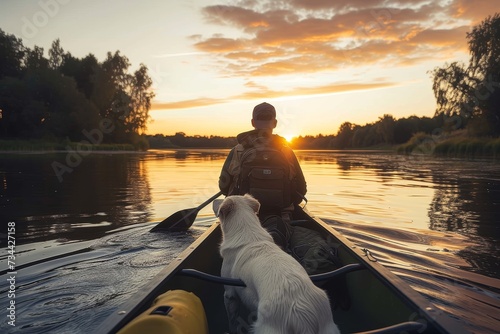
182, 220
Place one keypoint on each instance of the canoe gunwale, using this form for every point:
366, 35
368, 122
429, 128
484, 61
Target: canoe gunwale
124, 314
427, 311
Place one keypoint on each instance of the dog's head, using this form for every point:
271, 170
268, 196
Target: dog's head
239, 222
237, 212
232, 204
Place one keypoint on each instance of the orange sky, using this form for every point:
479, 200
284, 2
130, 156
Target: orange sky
320, 62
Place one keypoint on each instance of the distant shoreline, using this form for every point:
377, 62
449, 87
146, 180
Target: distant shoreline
66, 151
453, 146
38, 146
419, 144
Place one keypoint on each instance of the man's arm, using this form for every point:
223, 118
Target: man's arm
225, 178
300, 180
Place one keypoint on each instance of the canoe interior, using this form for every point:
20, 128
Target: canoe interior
362, 300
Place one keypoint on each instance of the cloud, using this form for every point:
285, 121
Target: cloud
307, 36
337, 4
317, 90
273, 38
220, 44
178, 54
261, 92
236, 16
441, 38
186, 104
473, 10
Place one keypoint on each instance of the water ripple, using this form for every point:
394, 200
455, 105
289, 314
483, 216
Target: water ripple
65, 295
429, 262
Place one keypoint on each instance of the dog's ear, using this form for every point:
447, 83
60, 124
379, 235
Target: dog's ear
225, 208
254, 204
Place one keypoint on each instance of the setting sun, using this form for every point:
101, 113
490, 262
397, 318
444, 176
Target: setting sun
289, 137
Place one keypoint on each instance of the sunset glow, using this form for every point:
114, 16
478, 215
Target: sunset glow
289, 137
321, 63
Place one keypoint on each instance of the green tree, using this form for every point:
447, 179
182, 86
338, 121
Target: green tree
344, 136
12, 53
385, 128
61, 96
405, 128
67, 112
365, 136
14, 97
109, 86
473, 91
56, 55
82, 70
122, 97
35, 59
140, 102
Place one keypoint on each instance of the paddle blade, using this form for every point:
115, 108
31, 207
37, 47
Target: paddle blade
179, 221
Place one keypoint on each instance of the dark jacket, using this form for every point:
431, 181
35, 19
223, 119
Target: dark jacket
254, 138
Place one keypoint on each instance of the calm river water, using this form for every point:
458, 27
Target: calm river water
83, 246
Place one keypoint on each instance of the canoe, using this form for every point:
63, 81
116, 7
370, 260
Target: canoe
374, 299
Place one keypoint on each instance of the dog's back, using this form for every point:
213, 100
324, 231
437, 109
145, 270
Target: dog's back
278, 287
288, 301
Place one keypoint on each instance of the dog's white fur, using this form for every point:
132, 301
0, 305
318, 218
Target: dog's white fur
278, 289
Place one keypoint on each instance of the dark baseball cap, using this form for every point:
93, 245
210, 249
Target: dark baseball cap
264, 116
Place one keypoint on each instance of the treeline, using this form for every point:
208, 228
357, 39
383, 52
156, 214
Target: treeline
180, 140
423, 135
65, 98
387, 131
440, 134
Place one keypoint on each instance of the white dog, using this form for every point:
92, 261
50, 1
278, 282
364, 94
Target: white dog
278, 290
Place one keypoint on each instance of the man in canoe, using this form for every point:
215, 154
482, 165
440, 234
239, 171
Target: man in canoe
263, 165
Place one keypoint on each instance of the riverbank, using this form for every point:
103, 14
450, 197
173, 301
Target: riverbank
65, 146
455, 145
